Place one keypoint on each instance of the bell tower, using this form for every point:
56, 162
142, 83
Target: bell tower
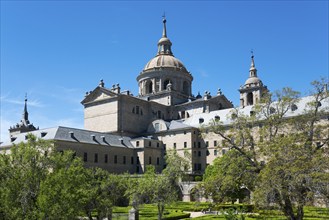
24, 125
253, 89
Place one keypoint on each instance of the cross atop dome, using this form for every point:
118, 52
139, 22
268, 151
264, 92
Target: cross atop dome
164, 32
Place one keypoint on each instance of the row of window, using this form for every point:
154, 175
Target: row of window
115, 159
194, 144
106, 158
208, 153
150, 144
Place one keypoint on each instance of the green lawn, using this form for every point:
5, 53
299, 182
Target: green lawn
177, 210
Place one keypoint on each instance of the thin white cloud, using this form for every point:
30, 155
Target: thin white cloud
204, 74
34, 103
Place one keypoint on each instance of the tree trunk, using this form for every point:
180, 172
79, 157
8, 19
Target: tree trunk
89, 215
300, 212
109, 214
288, 210
160, 211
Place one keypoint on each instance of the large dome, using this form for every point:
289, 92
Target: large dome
165, 61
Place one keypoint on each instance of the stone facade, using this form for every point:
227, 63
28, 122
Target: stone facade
125, 133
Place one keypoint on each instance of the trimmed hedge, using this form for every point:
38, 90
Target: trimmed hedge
182, 216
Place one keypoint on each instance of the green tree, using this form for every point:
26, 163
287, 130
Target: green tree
225, 181
161, 189
283, 151
63, 191
38, 182
158, 189
103, 190
21, 173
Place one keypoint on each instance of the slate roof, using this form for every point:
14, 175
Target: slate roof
225, 114
74, 135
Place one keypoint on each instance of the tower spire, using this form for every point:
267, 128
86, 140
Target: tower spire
252, 70
25, 113
24, 125
164, 32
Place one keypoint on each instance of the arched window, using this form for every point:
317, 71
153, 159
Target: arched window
150, 87
250, 99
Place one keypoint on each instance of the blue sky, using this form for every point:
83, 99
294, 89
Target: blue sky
55, 51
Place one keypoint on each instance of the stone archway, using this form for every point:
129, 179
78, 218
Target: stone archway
186, 188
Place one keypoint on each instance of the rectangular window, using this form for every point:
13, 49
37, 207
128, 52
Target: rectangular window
150, 144
124, 159
199, 153
132, 160
199, 144
137, 110
199, 166
137, 143
215, 143
174, 145
207, 143
150, 160
223, 152
215, 152
158, 144
194, 144
96, 158
85, 157
106, 158
158, 161
185, 144
115, 159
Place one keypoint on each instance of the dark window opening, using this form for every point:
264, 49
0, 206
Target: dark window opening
250, 99
85, 157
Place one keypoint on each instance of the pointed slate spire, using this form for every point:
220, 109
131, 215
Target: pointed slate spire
24, 125
252, 70
25, 113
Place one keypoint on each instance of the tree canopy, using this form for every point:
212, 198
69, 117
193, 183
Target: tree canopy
287, 157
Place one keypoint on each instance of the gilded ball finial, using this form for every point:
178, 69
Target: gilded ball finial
164, 17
